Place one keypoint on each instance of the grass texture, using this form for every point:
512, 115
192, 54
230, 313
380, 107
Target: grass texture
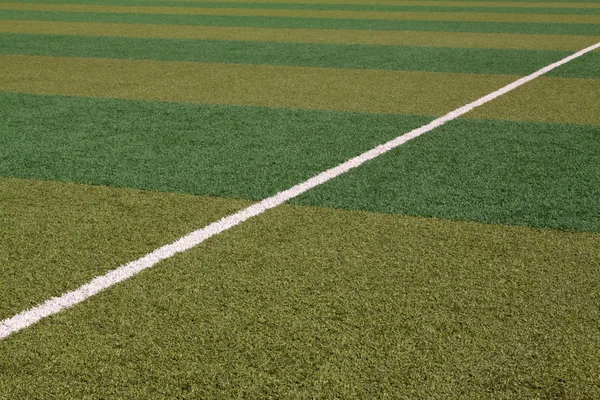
113, 227
429, 272
518, 4
216, 150
314, 23
548, 99
534, 174
307, 303
342, 14
334, 89
482, 61
494, 171
300, 35
575, 8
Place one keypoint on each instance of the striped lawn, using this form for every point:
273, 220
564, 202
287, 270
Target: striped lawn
535, 174
299, 35
561, 100
228, 151
463, 264
377, 15
567, 100
314, 23
188, 148
113, 227
287, 3
437, 3
398, 7
481, 61
308, 303
251, 85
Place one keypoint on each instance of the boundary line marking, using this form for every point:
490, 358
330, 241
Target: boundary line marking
54, 305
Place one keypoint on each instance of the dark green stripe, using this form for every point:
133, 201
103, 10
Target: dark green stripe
543, 175
587, 66
351, 7
485, 61
215, 150
332, 23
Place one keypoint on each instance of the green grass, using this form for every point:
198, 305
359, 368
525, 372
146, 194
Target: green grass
465, 170
481, 61
353, 7
464, 264
214, 150
545, 175
308, 303
325, 23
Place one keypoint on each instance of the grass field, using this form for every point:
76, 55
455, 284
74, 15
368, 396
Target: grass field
462, 264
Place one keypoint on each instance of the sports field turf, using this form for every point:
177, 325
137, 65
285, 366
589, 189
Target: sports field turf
463, 264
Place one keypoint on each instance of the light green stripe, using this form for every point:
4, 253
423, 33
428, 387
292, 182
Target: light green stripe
548, 99
308, 303
498, 4
347, 7
312, 23
58, 236
379, 15
420, 93
332, 36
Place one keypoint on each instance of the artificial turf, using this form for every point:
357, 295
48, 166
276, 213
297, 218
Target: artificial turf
536, 174
333, 14
218, 150
432, 59
76, 232
334, 89
308, 303
442, 7
303, 35
318, 23
494, 171
302, 301
547, 99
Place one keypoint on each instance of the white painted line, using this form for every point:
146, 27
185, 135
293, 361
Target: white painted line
98, 284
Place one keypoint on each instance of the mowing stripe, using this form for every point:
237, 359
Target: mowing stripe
98, 284
494, 4
299, 35
354, 56
308, 88
330, 7
334, 89
358, 57
315, 23
566, 100
377, 15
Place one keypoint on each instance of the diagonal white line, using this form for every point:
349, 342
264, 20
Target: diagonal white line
126, 271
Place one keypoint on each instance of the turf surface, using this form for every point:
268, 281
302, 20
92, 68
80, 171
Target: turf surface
214, 150
320, 299
441, 174
321, 23
482, 61
300, 35
113, 226
439, 7
518, 4
307, 303
333, 89
533, 174
548, 99
342, 14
